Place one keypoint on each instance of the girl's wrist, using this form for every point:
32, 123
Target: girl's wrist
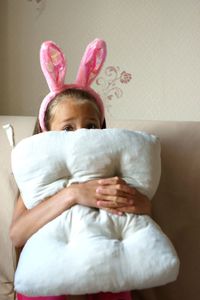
67, 197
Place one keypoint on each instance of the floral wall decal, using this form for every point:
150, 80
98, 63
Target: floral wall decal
37, 1
39, 6
108, 85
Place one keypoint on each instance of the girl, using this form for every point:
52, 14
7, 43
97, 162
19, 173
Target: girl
71, 107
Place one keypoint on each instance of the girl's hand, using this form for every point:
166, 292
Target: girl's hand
87, 194
109, 193
116, 196
84, 193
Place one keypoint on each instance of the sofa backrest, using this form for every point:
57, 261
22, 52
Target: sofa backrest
175, 206
8, 193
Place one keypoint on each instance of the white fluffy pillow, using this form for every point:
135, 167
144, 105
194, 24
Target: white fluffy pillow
86, 250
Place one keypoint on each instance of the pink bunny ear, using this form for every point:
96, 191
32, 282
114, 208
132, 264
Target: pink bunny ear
91, 63
53, 65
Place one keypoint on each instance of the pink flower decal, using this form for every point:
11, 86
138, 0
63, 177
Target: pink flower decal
109, 85
125, 77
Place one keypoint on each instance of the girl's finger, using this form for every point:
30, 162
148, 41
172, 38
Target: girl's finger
117, 190
135, 210
111, 180
109, 204
116, 199
128, 209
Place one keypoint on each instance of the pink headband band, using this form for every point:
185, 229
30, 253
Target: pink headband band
53, 65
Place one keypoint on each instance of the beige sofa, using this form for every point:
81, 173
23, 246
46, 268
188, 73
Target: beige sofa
176, 205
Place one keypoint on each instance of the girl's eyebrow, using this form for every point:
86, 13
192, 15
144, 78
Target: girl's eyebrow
86, 119
68, 120
92, 119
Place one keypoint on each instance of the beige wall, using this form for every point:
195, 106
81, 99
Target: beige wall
156, 41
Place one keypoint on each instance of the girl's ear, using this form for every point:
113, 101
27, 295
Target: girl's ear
91, 63
53, 65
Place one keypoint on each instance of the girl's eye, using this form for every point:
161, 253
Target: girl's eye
68, 128
91, 126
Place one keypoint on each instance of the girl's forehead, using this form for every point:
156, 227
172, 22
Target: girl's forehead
70, 107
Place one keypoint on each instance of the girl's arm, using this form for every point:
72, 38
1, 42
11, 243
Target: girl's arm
26, 222
112, 194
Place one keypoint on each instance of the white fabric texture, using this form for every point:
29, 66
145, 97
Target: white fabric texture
86, 250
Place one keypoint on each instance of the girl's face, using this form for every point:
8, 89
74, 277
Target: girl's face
72, 114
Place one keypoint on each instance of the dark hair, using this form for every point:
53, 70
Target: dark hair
76, 94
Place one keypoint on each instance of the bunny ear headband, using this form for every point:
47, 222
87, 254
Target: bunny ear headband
53, 65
